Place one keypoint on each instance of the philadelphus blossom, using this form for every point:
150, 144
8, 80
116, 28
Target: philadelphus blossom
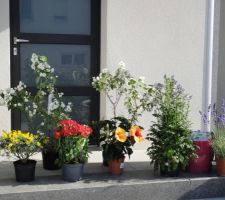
61, 94
42, 75
68, 108
54, 105
122, 65
142, 79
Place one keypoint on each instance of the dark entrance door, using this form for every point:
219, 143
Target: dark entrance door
67, 32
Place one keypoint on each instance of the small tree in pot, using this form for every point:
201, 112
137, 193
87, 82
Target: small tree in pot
43, 109
170, 135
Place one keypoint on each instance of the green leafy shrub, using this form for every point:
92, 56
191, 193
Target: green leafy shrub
170, 135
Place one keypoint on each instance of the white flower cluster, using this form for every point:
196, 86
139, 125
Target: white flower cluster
56, 104
7, 95
122, 65
20, 86
41, 67
69, 107
31, 109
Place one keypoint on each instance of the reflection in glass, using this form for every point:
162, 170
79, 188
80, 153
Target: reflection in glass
81, 108
60, 10
26, 9
71, 63
55, 16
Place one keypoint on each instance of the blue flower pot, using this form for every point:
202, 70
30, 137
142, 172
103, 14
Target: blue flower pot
72, 172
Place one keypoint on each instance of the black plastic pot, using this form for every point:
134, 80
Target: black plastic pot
165, 171
105, 159
25, 172
49, 158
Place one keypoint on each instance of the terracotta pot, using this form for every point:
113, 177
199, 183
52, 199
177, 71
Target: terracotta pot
116, 166
220, 166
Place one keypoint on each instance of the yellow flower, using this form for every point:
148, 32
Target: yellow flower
5, 135
135, 131
10, 146
120, 134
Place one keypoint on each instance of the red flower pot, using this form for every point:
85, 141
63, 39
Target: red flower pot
203, 163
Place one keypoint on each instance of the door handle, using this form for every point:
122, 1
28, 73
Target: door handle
18, 40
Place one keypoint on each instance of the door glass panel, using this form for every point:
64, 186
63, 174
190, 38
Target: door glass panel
81, 108
55, 16
81, 111
71, 63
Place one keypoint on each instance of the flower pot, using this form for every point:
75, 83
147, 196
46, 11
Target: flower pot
203, 163
167, 172
72, 172
25, 172
105, 159
116, 166
49, 158
220, 166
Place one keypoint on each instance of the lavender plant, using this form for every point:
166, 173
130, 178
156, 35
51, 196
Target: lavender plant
216, 117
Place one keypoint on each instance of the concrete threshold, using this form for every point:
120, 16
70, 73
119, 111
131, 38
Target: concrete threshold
137, 182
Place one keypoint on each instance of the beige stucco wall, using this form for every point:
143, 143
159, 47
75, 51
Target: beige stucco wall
153, 38
4, 60
221, 57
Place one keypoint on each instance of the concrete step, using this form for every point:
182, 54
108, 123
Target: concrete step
137, 182
134, 185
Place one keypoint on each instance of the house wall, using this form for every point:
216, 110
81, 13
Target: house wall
4, 60
221, 57
153, 38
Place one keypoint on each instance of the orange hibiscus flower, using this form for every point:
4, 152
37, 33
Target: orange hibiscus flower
136, 132
120, 134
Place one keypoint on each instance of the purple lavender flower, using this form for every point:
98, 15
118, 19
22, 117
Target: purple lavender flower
158, 86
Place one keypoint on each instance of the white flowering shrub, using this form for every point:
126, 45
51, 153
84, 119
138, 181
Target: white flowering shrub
137, 95
34, 106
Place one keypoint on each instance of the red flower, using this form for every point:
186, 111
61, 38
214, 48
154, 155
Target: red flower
85, 130
57, 135
69, 127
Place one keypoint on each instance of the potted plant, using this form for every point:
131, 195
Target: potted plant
118, 136
42, 109
170, 135
22, 146
72, 145
134, 92
218, 145
216, 117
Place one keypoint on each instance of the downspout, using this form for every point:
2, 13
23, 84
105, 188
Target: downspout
208, 60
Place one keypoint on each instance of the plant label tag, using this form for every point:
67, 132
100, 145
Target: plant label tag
121, 165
